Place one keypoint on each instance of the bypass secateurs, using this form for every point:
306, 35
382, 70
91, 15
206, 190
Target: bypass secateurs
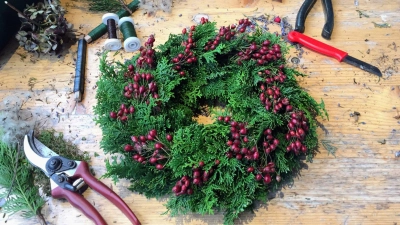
68, 177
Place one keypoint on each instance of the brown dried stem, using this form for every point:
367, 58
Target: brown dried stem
125, 7
40, 218
20, 13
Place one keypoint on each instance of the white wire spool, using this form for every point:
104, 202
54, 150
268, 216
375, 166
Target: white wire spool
112, 43
131, 43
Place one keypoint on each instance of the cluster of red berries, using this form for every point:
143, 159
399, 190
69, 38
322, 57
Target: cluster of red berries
264, 173
203, 20
271, 99
224, 33
122, 113
238, 141
243, 24
199, 177
147, 53
149, 149
270, 143
272, 77
187, 56
238, 149
182, 186
142, 87
297, 130
227, 33
131, 71
263, 53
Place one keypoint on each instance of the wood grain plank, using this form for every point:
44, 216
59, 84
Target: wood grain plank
358, 186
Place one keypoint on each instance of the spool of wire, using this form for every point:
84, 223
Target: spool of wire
112, 43
131, 42
101, 29
79, 80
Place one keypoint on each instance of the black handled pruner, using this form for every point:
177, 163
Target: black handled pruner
329, 18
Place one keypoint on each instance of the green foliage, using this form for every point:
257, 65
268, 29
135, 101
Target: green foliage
20, 181
16, 182
104, 5
227, 88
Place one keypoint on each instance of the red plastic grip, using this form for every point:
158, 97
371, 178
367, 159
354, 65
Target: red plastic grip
83, 172
79, 202
316, 46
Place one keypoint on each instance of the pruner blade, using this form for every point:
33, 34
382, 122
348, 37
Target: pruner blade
36, 152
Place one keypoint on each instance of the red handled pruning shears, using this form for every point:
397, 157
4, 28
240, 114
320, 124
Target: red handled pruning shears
68, 178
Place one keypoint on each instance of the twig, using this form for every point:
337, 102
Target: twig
125, 7
19, 12
41, 219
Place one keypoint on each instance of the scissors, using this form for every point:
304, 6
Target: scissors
329, 17
68, 179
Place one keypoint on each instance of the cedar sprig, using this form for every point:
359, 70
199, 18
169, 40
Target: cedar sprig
17, 184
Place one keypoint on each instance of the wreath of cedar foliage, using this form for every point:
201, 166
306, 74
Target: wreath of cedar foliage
263, 121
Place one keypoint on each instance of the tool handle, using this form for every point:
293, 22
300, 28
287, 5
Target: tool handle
80, 70
329, 19
317, 46
302, 15
79, 202
83, 172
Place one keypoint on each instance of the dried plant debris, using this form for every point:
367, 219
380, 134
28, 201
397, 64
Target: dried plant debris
356, 115
390, 65
327, 144
381, 25
397, 117
151, 6
362, 14
393, 46
44, 28
382, 141
16, 119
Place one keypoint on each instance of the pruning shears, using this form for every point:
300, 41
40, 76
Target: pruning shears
69, 178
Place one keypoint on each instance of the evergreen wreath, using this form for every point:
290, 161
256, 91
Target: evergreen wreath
263, 125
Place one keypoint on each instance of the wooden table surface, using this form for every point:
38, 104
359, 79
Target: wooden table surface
358, 186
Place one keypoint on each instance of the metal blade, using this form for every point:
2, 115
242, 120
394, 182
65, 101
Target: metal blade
36, 152
362, 65
43, 149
